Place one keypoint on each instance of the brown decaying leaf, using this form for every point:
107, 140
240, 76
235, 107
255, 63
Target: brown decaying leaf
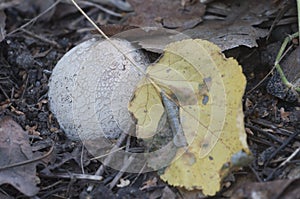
237, 27
15, 148
169, 14
274, 189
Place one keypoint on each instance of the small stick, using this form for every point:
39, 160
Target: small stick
121, 172
74, 175
27, 161
286, 142
256, 174
278, 130
81, 159
101, 8
4, 93
264, 133
283, 163
41, 38
100, 170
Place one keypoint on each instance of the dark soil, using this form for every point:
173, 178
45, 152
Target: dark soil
27, 58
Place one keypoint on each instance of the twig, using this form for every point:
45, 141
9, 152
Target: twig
27, 161
121, 172
4, 93
100, 170
34, 19
74, 175
283, 164
278, 130
290, 157
108, 154
81, 159
120, 4
278, 18
260, 141
264, 133
25, 87
80, 18
127, 161
285, 143
41, 38
138, 175
88, 3
52, 185
256, 174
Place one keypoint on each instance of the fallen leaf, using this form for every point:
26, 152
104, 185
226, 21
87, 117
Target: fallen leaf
274, 189
237, 27
169, 14
204, 83
152, 39
15, 148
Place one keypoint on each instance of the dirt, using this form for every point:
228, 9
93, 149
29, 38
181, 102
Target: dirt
26, 61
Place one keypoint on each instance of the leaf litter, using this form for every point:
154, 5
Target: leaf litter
239, 25
169, 14
259, 104
15, 148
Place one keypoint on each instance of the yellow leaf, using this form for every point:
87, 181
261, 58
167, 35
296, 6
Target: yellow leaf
208, 89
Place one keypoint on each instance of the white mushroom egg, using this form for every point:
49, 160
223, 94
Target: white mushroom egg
91, 86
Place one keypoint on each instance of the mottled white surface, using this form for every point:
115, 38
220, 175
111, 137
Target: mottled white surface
91, 86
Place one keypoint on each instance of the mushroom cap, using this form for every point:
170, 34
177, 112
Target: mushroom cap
91, 86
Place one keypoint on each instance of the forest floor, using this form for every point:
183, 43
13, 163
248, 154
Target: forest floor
28, 54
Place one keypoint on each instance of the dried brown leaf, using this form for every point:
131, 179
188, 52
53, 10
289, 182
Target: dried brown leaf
15, 149
169, 14
274, 189
237, 27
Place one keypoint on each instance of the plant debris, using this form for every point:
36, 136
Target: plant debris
15, 148
249, 31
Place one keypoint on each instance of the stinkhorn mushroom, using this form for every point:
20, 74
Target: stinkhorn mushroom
90, 88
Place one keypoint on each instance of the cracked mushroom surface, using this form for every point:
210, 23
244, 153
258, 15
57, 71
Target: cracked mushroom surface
91, 86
